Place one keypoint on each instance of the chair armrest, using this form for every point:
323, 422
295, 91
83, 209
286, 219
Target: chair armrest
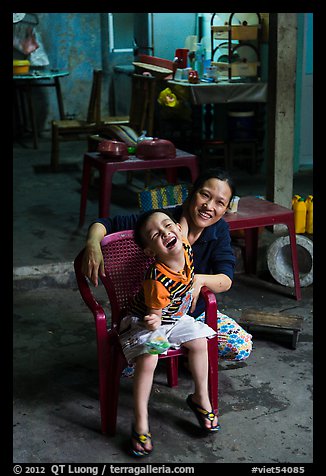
210, 307
87, 295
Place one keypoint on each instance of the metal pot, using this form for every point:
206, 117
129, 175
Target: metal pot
155, 149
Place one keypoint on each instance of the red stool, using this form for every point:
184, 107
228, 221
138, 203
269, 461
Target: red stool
254, 213
107, 169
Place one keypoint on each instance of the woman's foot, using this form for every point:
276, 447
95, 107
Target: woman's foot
206, 419
141, 443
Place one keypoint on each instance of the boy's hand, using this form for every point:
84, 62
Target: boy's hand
152, 321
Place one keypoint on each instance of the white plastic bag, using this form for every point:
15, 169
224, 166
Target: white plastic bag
157, 342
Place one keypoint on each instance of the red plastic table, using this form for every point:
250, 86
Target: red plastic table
254, 213
107, 169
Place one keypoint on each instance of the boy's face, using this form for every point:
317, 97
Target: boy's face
162, 236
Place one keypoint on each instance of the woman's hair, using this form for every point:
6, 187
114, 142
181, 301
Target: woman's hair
217, 173
141, 222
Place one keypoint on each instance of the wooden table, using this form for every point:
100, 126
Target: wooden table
107, 169
38, 78
254, 213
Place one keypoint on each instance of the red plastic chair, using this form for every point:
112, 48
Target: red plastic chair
125, 264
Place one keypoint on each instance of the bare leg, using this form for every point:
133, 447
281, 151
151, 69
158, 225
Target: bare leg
198, 364
143, 381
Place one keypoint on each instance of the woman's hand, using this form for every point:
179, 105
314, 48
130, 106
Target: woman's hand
218, 283
152, 321
184, 226
93, 263
197, 285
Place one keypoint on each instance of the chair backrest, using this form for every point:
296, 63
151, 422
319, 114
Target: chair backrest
125, 264
142, 106
94, 106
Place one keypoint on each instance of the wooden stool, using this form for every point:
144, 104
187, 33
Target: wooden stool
254, 213
215, 150
271, 320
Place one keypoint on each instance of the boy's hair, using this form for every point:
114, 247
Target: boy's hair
141, 222
217, 173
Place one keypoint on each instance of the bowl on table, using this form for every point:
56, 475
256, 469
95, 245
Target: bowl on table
155, 149
113, 150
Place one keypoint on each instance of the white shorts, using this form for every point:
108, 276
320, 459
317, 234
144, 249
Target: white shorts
133, 334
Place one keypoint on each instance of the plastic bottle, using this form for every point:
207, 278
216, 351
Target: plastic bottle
200, 60
300, 214
310, 214
295, 199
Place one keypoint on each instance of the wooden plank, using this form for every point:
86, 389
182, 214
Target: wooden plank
268, 319
155, 60
156, 70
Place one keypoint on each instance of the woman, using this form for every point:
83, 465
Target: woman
214, 261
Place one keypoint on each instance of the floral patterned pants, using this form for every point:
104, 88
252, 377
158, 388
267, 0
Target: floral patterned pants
234, 343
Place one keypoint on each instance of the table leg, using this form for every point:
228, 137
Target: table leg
208, 119
32, 115
59, 98
171, 175
250, 252
295, 265
84, 190
105, 192
193, 167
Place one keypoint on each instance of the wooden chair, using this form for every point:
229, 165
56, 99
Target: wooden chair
125, 264
144, 90
70, 129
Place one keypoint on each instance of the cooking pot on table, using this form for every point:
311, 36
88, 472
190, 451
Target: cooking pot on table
155, 149
113, 149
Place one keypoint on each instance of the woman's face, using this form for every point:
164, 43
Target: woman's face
210, 202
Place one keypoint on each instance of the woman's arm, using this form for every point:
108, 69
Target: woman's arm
218, 283
93, 263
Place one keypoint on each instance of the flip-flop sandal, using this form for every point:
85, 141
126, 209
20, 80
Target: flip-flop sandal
201, 414
142, 440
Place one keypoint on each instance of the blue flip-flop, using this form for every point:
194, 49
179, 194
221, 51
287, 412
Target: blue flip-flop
142, 439
201, 414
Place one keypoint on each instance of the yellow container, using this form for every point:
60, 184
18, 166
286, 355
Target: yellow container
300, 216
295, 199
21, 66
310, 215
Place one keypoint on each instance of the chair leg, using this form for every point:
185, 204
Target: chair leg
213, 373
172, 371
110, 375
55, 147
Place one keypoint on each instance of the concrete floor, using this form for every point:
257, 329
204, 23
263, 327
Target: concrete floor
265, 402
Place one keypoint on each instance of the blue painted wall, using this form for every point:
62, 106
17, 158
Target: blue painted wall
72, 42
75, 42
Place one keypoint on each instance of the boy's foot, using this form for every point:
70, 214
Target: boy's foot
141, 443
207, 420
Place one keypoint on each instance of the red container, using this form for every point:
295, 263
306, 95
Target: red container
193, 77
113, 149
155, 149
181, 57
